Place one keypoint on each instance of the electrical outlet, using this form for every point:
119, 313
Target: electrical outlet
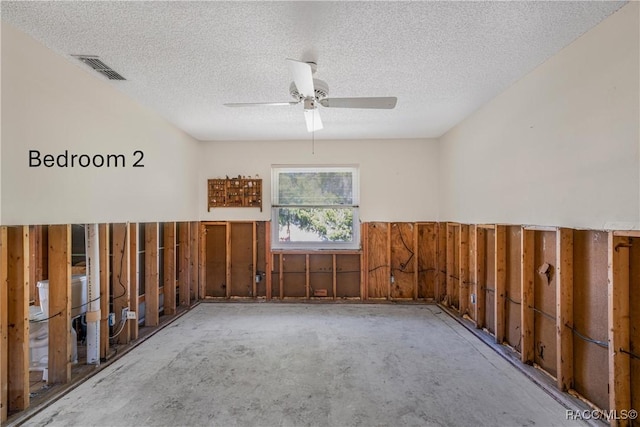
131, 315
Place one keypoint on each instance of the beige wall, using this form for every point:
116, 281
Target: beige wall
561, 146
52, 105
398, 178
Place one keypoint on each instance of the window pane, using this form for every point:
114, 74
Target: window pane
315, 224
315, 188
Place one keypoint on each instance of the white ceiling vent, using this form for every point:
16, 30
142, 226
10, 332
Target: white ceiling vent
95, 63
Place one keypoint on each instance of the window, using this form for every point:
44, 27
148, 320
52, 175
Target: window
315, 207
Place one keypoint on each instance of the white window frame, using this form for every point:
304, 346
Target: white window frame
327, 245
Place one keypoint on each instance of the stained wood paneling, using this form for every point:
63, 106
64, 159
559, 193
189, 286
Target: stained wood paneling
348, 276
216, 260
378, 261
321, 274
294, 276
242, 278
402, 260
427, 259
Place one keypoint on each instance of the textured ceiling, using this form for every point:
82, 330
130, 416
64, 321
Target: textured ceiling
443, 60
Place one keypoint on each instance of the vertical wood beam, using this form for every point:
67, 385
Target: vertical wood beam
364, 262
103, 255
441, 276
184, 281
473, 267
151, 285
450, 264
228, 260
480, 277
416, 266
193, 264
268, 256
169, 266
4, 324
255, 260
59, 304
281, 275
564, 308
202, 261
18, 317
306, 270
120, 279
619, 317
134, 281
388, 258
500, 236
527, 344
335, 277
463, 270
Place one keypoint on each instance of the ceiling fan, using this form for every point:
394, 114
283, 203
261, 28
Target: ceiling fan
313, 92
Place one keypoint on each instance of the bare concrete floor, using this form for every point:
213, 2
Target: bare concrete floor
306, 364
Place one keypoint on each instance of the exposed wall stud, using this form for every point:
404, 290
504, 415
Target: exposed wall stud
60, 304
564, 308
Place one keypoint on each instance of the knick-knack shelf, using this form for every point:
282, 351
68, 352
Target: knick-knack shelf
240, 192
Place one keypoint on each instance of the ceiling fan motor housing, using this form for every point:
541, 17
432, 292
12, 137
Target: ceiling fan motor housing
321, 89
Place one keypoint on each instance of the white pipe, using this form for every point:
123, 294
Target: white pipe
93, 294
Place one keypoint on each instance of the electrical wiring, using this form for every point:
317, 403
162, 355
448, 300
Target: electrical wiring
44, 320
124, 289
602, 344
633, 355
543, 313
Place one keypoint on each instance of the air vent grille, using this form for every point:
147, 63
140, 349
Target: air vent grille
95, 63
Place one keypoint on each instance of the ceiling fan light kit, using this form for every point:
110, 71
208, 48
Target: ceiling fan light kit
313, 92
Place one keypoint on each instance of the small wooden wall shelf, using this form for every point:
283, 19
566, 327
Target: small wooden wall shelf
235, 193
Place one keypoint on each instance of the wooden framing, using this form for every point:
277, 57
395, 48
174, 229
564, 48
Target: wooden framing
388, 258
500, 236
193, 260
564, 308
441, 274
134, 281
335, 277
202, 261
169, 266
306, 269
450, 262
4, 324
268, 259
18, 316
59, 304
228, 261
151, 285
120, 279
254, 251
480, 276
105, 268
527, 345
184, 272
619, 315
463, 270
364, 263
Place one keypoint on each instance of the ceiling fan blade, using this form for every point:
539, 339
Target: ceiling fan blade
302, 76
312, 117
258, 104
384, 103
